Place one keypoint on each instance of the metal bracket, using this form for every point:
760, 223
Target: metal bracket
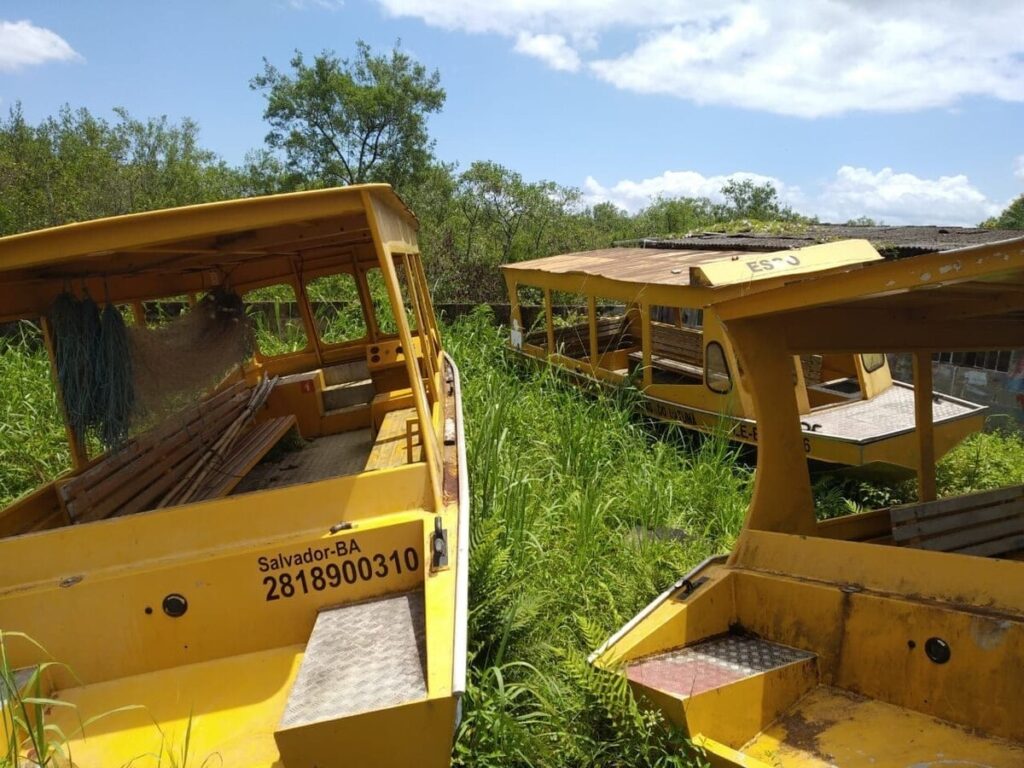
689, 586
438, 546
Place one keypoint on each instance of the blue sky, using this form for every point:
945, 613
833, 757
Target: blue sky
912, 115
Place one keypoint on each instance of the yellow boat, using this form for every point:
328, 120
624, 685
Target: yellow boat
889, 638
296, 612
652, 317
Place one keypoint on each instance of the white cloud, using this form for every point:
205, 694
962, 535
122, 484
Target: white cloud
23, 44
886, 196
1018, 167
634, 195
551, 49
903, 198
810, 59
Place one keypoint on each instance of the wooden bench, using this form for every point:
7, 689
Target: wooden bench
397, 442
136, 476
988, 524
245, 454
574, 340
675, 350
177, 454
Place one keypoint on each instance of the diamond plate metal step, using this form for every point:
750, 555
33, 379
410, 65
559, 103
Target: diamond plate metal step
361, 658
712, 664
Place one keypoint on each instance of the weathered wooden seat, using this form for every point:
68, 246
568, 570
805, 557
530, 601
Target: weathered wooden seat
135, 477
574, 340
675, 350
989, 523
245, 454
397, 441
201, 453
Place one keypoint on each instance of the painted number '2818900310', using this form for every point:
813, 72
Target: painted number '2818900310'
324, 569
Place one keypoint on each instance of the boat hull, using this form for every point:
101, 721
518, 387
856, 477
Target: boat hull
844, 441
831, 662
190, 628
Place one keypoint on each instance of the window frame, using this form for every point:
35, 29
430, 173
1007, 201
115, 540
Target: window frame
725, 366
325, 344
867, 366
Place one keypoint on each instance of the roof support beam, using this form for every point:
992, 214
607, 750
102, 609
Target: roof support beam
850, 330
924, 426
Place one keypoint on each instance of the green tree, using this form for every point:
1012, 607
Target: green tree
1011, 218
351, 121
675, 216
77, 166
747, 200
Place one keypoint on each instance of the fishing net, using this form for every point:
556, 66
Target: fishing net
116, 380
174, 364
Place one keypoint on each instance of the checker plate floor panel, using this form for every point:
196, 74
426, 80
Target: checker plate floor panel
361, 658
712, 664
888, 413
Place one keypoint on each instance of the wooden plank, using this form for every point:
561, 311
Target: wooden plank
953, 521
1002, 546
153, 479
971, 536
645, 344
921, 511
389, 448
669, 365
147, 440
245, 455
130, 479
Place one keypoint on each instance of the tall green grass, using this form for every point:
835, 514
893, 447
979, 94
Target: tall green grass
33, 446
575, 500
569, 494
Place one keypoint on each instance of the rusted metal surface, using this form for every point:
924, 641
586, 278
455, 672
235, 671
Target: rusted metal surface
890, 241
633, 265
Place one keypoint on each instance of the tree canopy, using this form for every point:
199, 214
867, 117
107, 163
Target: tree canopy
77, 166
351, 121
340, 121
1011, 218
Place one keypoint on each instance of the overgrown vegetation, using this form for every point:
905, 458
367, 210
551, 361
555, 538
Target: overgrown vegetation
582, 513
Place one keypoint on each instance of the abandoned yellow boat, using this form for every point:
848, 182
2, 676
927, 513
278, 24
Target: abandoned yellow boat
889, 638
212, 585
652, 317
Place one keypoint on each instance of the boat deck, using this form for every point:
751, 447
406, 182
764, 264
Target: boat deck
330, 456
345, 453
884, 415
830, 727
152, 716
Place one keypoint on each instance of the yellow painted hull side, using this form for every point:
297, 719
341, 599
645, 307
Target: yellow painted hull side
867, 694
898, 449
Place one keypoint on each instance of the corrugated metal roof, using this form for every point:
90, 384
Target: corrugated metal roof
892, 242
631, 265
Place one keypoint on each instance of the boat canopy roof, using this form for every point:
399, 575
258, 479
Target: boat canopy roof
968, 298
697, 268
192, 248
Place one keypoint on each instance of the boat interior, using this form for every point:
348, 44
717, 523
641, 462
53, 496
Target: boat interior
338, 402
278, 567
654, 322
884, 638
